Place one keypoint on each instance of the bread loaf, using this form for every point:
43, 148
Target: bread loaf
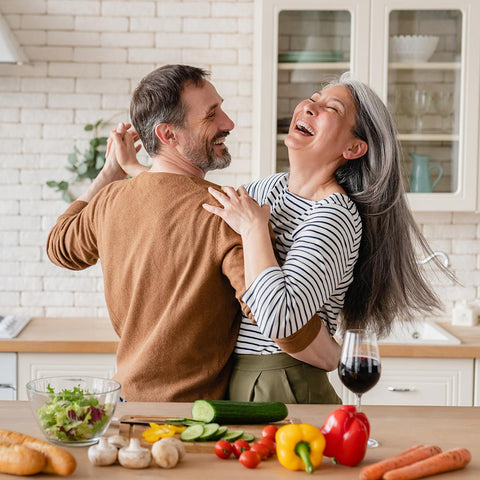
20, 460
58, 460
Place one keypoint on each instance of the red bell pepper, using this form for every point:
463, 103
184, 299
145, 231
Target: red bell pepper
346, 433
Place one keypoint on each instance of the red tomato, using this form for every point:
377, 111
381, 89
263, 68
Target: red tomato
223, 449
249, 459
269, 443
261, 449
240, 446
269, 431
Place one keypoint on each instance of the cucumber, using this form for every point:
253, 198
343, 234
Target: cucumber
233, 435
220, 433
238, 413
248, 437
189, 421
209, 431
192, 433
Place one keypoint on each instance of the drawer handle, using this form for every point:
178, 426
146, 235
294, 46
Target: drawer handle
398, 389
6, 386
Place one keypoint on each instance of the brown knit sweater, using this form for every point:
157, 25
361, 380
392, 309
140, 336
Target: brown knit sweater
173, 276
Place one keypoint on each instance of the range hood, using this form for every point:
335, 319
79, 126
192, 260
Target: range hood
10, 50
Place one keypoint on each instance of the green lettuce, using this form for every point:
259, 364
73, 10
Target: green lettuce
73, 415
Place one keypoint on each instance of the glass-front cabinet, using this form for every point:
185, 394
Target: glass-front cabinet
422, 57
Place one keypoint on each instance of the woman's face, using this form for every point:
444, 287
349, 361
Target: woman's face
323, 124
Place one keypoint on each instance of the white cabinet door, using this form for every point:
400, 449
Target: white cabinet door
476, 393
445, 138
37, 365
8, 376
417, 381
301, 44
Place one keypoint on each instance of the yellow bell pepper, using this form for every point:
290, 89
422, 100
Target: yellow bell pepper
300, 446
156, 432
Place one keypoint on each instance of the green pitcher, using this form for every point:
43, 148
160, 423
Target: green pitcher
420, 179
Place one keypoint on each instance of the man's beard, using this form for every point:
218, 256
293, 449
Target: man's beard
204, 157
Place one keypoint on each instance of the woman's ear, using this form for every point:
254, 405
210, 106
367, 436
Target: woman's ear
356, 150
166, 134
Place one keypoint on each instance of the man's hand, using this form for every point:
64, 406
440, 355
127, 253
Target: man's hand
123, 140
111, 170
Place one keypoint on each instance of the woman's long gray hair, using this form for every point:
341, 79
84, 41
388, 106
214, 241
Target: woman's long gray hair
388, 283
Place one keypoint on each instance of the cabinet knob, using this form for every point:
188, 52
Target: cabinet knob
399, 389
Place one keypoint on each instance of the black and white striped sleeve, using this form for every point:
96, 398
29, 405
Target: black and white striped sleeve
318, 265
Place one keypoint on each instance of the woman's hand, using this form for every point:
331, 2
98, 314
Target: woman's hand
240, 211
250, 220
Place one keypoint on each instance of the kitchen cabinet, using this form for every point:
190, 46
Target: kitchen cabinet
37, 365
476, 393
418, 381
304, 43
8, 376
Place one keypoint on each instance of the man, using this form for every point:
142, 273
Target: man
173, 273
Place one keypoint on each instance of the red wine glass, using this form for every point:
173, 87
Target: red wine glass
359, 367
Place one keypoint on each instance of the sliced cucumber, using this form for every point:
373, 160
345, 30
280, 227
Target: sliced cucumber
176, 420
248, 437
222, 430
233, 435
192, 433
188, 421
209, 431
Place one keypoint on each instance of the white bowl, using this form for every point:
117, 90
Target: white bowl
412, 48
73, 411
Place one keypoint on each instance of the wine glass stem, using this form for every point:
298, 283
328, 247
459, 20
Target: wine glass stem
419, 123
359, 401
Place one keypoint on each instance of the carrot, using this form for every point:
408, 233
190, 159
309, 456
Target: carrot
443, 462
414, 454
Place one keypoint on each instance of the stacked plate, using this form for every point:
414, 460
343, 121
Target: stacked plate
310, 57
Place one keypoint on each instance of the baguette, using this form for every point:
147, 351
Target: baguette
58, 460
20, 460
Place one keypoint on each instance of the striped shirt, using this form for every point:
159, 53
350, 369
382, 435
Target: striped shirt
318, 245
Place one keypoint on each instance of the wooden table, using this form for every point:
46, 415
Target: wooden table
396, 428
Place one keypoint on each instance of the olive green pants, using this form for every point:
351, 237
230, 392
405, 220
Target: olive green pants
279, 377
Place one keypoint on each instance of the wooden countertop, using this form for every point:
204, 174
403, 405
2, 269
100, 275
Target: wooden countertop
396, 428
70, 335
96, 335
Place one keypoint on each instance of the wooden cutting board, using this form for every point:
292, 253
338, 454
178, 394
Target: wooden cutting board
132, 430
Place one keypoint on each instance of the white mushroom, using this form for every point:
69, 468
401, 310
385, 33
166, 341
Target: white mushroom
103, 453
118, 441
165, 454
134, 456
178, 444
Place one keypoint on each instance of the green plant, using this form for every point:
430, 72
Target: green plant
86, 164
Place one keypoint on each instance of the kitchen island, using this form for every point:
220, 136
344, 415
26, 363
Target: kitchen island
396, 428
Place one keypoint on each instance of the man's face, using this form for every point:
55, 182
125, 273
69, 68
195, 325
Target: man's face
206, 127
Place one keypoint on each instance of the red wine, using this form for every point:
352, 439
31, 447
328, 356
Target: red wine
359, 374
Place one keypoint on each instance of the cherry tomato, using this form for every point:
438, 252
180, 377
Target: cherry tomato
249, 459
268, 442
269, 431
240, 446
261, 449
223, 449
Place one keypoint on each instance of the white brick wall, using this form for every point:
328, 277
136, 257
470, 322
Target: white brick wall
86, 58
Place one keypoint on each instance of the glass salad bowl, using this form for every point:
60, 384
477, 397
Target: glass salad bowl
71, 410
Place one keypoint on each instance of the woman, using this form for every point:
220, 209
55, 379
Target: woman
344, 234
